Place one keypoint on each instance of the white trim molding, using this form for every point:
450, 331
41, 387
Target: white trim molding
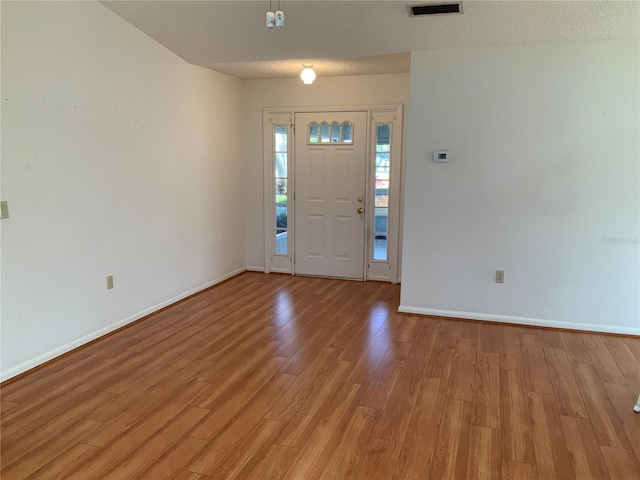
56, 352
281, 270
532, 322
376, 114
270, 119
255, 269
386, 270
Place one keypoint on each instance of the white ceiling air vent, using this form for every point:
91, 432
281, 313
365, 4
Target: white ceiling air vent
434, 9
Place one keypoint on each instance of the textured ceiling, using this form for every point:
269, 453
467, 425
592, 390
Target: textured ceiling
360, 37
327, 67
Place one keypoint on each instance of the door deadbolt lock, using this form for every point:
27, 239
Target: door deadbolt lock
360, 210
360, 199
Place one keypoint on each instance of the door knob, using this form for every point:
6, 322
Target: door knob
360, 210
360, 199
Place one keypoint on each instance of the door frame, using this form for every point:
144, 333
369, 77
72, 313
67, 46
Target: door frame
373, 270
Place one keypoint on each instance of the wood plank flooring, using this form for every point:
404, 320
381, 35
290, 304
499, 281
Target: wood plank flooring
279, 377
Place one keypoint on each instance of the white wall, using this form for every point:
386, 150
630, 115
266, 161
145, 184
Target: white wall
545, 172
291, 92
117, 158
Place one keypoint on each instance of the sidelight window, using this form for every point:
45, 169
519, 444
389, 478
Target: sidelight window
281, 243
382, 191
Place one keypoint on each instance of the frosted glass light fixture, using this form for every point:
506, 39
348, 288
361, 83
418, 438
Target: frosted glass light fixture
308, 75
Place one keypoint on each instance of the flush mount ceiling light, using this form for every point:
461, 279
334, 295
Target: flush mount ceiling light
275, 19
308, 75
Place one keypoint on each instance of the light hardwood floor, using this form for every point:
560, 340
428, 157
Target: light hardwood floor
279, 377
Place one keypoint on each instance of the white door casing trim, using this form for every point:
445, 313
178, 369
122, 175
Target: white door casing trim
377, 270
272, 116
271, 119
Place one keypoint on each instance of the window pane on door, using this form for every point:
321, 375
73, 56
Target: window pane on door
382, 185
381, 221
382, 193
281, 200
335, 133
281, 216
314, 133
347, 132
281, 242
383, 138
324, 132
281, 203
281, 138
330, 133
281, 188
281, 165
380, 248
382, 164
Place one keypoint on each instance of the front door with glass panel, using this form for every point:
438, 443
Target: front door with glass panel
330, 173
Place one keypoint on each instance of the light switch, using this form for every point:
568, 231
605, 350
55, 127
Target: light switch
4, 210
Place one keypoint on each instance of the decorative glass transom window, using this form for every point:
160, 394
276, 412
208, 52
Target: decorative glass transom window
334, 132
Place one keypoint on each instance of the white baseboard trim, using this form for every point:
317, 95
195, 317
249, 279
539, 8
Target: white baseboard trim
255, 269
56, 352
534, 322
379, 279
281, 270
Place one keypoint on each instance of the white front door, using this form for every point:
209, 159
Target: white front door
330, 173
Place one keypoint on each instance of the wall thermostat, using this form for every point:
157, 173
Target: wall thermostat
442, 156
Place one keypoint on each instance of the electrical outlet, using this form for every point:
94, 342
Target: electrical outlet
499, 276
4, 210
109, 282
